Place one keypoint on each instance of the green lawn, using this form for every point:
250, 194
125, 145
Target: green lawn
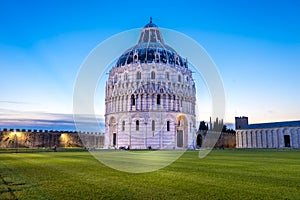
223, 174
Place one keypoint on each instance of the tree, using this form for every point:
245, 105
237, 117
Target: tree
226, 130
203, 126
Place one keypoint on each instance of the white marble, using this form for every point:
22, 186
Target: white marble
144, 92
268, 138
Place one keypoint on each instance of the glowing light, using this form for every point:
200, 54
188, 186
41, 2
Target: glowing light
16, 134
65, 138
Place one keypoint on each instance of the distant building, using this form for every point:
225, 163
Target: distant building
150, 97
240, 122
267, 135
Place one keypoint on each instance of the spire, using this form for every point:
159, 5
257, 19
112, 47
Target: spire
150, 24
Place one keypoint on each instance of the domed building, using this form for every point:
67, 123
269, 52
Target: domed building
150, 97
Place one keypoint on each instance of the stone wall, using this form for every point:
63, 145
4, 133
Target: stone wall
17, 138
225, 140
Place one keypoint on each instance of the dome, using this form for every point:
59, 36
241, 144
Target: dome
151, 48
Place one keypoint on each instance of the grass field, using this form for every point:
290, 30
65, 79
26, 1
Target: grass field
223, 174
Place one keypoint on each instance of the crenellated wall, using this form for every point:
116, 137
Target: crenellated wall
16, 138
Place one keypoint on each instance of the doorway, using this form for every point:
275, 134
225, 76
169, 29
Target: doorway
287, 141
199, 141
180, 138
114, 139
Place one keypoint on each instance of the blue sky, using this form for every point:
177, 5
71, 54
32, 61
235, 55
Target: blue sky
255, 45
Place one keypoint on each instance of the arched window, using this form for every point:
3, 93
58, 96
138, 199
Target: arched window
123, 125
137, 125
138, 75
158, 99
176, 60
132, 100
135, 58
179, 78
152, 75
153, 125
167, 75
168, 125
156, 57
126, 76
180, 122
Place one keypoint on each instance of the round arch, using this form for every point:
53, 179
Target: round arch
181, 132
113, 129
199, 141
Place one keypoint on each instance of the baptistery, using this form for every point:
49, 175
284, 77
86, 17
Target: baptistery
150, 97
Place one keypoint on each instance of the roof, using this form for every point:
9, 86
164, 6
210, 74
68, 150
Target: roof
273, 125
151, 48
150, 24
